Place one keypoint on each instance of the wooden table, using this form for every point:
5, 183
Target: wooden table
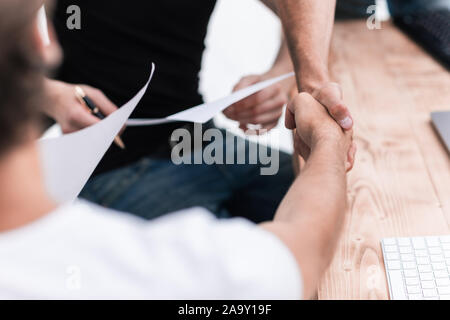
400, 185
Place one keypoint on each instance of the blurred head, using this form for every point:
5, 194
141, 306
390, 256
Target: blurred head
24, 59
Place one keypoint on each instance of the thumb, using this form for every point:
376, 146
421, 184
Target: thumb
330, 96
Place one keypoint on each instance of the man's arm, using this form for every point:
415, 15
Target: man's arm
308, 27
310, 217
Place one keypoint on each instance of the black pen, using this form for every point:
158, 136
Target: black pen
87, 102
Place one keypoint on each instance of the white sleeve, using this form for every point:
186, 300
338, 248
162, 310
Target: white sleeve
224, 259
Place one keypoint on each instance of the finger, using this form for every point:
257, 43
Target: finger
265, 118
101, 101
289, 120
331, 97
270, 126
246, 82
274, 104
81, 118
250, 130
351, 157
256, 99
243, 83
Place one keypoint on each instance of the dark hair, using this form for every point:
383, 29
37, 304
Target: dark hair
21, 78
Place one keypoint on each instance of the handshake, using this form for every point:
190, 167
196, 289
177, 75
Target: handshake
315, 121
320, 118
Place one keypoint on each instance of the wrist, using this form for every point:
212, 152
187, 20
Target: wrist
311, 78
333, 143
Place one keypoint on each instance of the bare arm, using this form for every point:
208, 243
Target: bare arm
308, 26
310, 217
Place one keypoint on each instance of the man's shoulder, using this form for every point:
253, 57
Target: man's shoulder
96, 214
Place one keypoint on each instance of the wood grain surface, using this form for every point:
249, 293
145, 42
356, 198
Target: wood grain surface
400, 185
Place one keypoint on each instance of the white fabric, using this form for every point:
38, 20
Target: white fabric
82, 251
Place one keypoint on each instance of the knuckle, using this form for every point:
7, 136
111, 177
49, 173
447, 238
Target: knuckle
278, 88
337, 109
73, 116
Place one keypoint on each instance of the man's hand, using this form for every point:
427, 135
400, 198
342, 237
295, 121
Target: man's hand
313, 126
263, 108
330, 96
65, 108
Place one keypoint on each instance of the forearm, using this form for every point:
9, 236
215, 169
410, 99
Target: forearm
320, 188
310, 218
308, 27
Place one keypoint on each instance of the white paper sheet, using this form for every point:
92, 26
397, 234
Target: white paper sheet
205, 112
70, 160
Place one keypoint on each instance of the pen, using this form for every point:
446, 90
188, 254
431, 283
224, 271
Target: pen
88, 103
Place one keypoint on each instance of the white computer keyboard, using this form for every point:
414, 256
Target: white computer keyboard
418, 268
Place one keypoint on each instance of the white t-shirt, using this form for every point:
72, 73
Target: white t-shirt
82, 251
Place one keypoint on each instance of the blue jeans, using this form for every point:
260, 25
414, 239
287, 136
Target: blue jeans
397, 7
353, 9
155, 186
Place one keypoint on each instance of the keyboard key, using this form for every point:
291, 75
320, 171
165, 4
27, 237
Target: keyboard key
438, 266
435, 250
441, 274
393, 265
447, 262
421, 253
445, 239
443, 282
410, 274
406, 250
397, 287
428, 285
429, 293
424, 268
390, 248
446, 246
423, 260
413, 281
418, 243
445, 290
409, 265
403, 242
444, 297
389, 241
414, 289
437, 258
426, 276
415, 297
432, 241
392, 256
407, 257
